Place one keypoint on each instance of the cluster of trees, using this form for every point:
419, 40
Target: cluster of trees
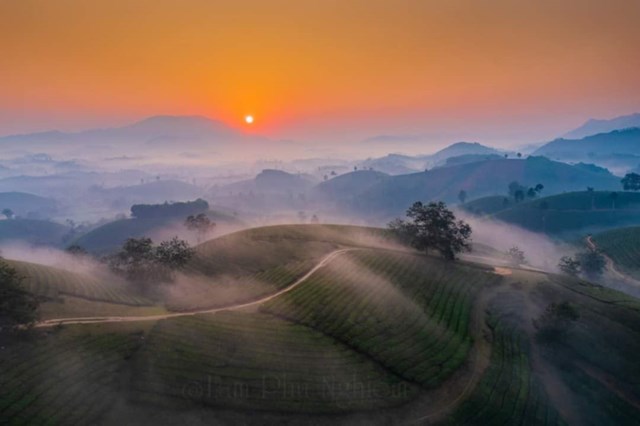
433, 227
519, 192
18, 307
302, 218
556, 322
142, 262
462, 196
631, 182
591, 264
8, 213
516, 256
200, 224
181, 209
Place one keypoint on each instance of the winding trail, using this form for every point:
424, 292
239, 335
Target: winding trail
611, 266
478, 362
112, 319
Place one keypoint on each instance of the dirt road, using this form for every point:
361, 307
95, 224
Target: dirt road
611, 266
111, 319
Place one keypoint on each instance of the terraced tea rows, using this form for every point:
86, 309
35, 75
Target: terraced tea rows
69, 379
52, 282
408, 313
508, 393
257, 361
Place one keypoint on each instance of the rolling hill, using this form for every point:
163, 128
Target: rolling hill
460, 149
371, 335
110, 236
151, 192
488, 205
29, 205
344, 186
574, 212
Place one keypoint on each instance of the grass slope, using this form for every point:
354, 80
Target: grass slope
575, 211
249, 264
54, 284
488, 205
411, 315
376, 336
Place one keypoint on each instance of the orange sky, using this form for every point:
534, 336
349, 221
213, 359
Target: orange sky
321, 68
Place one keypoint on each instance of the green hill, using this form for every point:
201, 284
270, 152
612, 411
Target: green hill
111, 236
24, 204
261, 261
623, 247
37, 232
392, 196
488, 205
575, 212
375, 335
344, 186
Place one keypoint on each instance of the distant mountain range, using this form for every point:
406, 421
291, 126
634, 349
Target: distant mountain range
159, 135
396, 164
603, 144
593, 127
157, 129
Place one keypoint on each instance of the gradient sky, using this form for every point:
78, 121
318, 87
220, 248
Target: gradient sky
322, 69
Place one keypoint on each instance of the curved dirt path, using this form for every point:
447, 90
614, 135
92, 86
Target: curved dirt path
111, 319
611, 266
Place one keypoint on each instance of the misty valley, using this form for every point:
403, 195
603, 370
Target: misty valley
472, 285
323, 213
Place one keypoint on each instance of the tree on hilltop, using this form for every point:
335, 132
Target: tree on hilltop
631, 182
569, 266
433, 227
516, 256
462, 196
201, 224
140, 261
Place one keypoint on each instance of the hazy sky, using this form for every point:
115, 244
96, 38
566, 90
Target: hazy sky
322, 69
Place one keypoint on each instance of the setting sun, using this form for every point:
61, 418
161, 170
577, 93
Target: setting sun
248, 119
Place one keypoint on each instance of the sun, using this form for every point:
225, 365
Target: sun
248, 119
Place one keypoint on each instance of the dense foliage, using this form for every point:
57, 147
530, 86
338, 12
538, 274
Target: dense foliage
141, 261
199, 223
631, 182
433, 226
17, 306
181, 209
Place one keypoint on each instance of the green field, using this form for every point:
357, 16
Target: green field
623, 247
374, 336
